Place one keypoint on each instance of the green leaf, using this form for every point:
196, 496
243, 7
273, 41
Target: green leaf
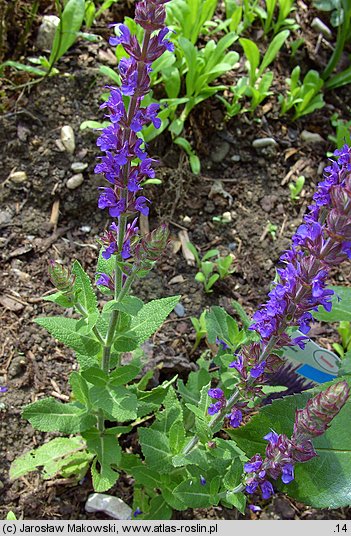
66, 33
130, 305
323, 482
66, 330
96, 376
341, 309
80, 388
117, 402
124, 374
50, 415
108, 453
84, 289
172, 413
238, 500
59, 298
23, 67
252, 53
156, 449
159, 509
273, 50
193, 494
217, 325
151, 317
56, 451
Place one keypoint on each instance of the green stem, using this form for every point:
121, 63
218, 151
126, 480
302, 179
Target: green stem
343, 33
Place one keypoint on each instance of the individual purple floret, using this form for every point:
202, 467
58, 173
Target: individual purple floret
218, 395
282, 453
3, 389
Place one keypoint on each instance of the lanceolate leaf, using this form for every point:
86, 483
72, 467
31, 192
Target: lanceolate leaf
84, 289
50, 415
151, 317
323, 482
54, 452
66, 330
108, 452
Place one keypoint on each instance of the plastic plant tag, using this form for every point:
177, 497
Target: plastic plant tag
313, 362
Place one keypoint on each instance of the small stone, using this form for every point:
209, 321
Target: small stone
111, 506
68, 139
220, 151
236, 158
60, 146
322, 28
226, 217
46, 32
260, 143
85, 229
17, 367
79, 167
186, 219
232, 246
176, 279
311, 137
179, 310
10, 304
5, 217
107, 56
75, 181
18, 177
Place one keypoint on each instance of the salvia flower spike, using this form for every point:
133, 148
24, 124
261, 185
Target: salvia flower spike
126, 163
321, 242
282, 453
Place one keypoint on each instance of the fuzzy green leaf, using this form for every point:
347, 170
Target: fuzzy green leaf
323, 482
66, 330
151, 317
80, 388
50, 415
54, 452
118, 402
108, 453
156, 449
84, 289
341, 309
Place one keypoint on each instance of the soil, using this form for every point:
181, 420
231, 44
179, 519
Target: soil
251, 185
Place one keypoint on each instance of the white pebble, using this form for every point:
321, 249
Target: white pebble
68, 139
75, 181
18, 177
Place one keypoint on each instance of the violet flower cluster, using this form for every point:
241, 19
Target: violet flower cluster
321, 242
282, 453
126, 163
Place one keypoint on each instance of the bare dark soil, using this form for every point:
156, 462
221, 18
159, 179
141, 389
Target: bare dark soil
253, 188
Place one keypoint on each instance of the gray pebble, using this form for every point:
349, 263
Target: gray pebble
220, 151
46, 32
75, 181
78, 167
311, 137
319, 27
259, 143
68, 138
179, 310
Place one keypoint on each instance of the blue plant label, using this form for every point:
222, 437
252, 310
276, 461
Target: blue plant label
313, 362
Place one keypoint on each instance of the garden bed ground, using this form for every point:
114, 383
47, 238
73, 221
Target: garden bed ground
253, 188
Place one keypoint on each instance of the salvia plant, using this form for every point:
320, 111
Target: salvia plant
182, 460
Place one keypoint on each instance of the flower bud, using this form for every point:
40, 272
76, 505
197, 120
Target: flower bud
314, 419
61, 277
